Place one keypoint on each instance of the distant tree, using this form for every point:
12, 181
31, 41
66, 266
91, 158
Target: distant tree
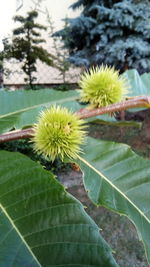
1, 73
111, 32
61, 54
25, 45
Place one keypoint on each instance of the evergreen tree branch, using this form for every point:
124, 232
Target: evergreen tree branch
104, 27
25, 46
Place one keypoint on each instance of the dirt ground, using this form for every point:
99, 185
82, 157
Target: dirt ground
117, 230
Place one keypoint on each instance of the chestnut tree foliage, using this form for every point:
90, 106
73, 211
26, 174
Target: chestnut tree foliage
41, 224
111, 32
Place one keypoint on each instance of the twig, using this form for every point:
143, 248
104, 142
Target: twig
142, 101
15, 135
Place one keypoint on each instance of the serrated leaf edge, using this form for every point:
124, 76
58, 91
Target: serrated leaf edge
113, 186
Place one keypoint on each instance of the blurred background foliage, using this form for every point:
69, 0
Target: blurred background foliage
116, 33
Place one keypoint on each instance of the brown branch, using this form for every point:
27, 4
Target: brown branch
15, 135
142, 101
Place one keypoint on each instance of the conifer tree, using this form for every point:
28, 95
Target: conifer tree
25, 45
112, 32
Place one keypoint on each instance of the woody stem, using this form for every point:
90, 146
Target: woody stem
142, 101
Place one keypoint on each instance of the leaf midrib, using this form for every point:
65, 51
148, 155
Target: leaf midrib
114, 186
36, 106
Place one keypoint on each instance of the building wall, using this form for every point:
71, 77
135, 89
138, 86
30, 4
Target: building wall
57, 9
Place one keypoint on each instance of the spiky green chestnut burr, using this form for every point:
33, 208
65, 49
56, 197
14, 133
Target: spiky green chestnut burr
58, 133
102, 86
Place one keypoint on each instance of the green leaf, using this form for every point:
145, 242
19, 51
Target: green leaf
139, 85
111, 120
21, 108
117, 178
40, 223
